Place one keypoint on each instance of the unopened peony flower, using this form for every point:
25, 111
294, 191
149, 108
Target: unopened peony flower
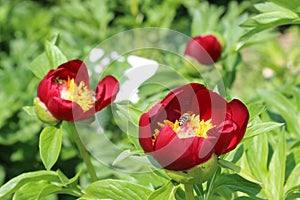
205, 49
190, 125
66, 95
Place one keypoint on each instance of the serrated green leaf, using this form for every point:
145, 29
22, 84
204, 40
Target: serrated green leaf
14, 184
243, 173
50, 145
54, 55
115, 190
166, 192
261, 128
40, 66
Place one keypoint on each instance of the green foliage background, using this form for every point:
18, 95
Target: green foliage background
267, 79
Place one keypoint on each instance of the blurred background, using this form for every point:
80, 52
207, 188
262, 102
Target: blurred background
272, 63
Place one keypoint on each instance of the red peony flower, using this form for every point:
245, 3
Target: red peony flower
205, 49
190, 125
66, 93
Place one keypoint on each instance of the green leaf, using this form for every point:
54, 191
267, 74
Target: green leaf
269, 7
17, 182
40, 66
255, 110
235, 183
128, 118
29, 110
54, 55
133, 114
293, 182
243, 173
261, 128
275, 178
50, 145
257, 155
290, 4
115, 190
281, 105
35, 190
167, 192
2, 174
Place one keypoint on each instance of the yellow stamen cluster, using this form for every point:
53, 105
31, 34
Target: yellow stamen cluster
194, 127
77, 93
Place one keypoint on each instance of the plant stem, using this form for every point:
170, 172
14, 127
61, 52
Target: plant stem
83, 152
189, 191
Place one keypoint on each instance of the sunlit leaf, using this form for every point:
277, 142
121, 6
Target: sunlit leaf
293, 182
50, 145
275, 179
40, 66
35, 190
257, 155
29, 110
281, 105
14, 184
291, 4
167, 192
243, 173
115, 190
54, 55
261, 128
255, 110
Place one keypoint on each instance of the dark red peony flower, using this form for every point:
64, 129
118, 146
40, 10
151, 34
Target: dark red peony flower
66, 93
205, 49
189, 125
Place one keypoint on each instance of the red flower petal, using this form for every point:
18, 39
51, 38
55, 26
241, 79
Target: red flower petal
172, 152
179, 154
49, 91
210, 105
240, 116
74, 69
106, 92
145, 133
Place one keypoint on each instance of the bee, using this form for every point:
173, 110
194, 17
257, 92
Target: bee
58, 81
186, 117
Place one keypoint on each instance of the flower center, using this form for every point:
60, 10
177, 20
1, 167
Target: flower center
76, 93
188, 125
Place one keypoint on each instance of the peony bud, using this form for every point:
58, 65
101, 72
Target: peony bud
205, 49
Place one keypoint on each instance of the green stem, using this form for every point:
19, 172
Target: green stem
189, 191
83, 152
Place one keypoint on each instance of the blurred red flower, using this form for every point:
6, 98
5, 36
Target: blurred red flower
189, 125
66, 92
205, 49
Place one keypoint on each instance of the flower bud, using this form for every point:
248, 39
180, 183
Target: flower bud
205, 49
42, 112
196, 175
